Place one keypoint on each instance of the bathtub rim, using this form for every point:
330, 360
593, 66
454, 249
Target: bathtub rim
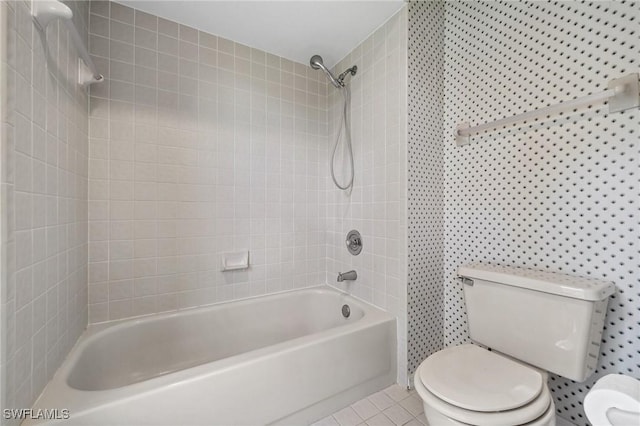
59, 394
321, 288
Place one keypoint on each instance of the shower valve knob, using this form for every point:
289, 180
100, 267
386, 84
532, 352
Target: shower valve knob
354, 242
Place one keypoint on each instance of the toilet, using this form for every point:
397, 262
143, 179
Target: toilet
524, 324
614, 401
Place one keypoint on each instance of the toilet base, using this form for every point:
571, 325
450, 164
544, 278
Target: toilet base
435, 418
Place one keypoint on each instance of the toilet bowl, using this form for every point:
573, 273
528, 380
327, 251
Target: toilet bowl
614, 401
469, 385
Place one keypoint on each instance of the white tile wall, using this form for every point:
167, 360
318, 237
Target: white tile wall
377, 204
198, 146
43, 297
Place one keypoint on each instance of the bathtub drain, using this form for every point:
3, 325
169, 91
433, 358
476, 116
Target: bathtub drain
346, 311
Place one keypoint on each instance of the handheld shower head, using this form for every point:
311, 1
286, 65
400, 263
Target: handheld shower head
317, 64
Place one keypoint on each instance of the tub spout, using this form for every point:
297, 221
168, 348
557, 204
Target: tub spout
347, 276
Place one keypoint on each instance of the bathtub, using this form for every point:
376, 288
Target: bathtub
289, 358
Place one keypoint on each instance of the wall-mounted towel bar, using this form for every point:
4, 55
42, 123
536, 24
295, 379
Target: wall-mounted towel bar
622, 93
44, 12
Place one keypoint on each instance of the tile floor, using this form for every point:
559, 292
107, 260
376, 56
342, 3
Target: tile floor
393, 406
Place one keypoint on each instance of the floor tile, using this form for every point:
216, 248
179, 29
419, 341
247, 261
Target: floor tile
347, 417
380, 420
422, 419
365, 408
413, 404
398, 415
397, 392
381, 400
393, 406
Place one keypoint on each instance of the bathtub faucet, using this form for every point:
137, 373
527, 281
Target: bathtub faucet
347, 276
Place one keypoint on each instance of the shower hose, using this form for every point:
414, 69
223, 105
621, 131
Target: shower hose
344, 123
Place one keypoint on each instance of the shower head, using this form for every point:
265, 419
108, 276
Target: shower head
317, 64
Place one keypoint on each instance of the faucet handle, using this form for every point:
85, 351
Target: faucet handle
354, 242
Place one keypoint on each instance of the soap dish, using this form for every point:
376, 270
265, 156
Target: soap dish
235, 260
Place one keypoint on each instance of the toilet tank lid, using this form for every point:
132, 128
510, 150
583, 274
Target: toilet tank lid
547, 282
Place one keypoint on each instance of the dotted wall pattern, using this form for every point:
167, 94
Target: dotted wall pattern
560, 195
425, 182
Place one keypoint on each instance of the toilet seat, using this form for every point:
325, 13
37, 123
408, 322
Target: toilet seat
474, 389
476, 379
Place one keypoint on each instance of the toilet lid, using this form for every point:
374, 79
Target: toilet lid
474, 378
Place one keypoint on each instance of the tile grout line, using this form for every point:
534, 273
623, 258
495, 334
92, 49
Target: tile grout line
393, 406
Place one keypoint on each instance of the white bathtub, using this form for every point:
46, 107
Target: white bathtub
289, 358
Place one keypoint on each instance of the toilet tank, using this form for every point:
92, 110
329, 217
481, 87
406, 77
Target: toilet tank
549, 320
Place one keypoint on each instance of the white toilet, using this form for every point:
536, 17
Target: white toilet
532, 322
614, 401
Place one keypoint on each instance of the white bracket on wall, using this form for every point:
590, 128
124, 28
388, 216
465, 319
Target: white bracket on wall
462, 129
622, 93
43, 13
465, 280
627, 93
